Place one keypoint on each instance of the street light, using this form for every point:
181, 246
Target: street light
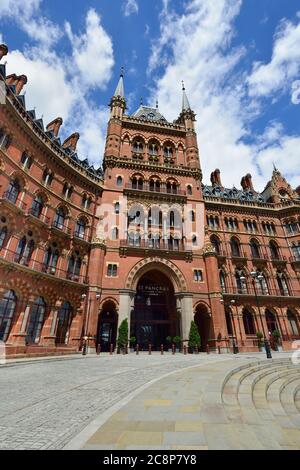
226, 304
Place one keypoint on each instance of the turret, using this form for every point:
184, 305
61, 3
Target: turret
118, 102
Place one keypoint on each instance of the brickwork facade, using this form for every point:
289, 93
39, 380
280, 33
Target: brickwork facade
141, 238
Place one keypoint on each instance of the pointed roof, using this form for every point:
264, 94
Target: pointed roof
120, 87
185, 101
149, 114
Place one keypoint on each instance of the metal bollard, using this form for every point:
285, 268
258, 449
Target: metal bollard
111, 349
207, 349
161, 349
184, 350
150, 349
173, 349
84, 349
98, 349
219, 350
137, 350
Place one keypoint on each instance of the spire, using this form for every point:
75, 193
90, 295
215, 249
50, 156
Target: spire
185, 101
120, 87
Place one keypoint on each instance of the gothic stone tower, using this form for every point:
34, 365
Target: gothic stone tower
151, 255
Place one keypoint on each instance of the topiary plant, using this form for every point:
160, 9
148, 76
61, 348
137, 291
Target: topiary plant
122, 341
194, 337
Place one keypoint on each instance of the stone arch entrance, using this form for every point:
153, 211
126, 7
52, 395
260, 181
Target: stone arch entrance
204, 323
107, 326
154, 314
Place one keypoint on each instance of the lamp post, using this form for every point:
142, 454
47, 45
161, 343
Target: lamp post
230, 304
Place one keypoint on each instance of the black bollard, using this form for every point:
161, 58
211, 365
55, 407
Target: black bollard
268, 349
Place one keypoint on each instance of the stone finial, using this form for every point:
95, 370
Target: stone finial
215, 178
3, 50
71, 141
55, 125
246, 182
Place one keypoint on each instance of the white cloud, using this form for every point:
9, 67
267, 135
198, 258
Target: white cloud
196, 47
92, 52
284, 65
130, 7
28, 17
59, 85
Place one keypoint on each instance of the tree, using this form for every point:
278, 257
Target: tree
122, 341
194, 337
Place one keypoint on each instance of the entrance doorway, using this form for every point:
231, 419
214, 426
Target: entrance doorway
107, 326
203, 322
154, 316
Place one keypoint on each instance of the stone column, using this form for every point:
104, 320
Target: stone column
48, 333
125, 305
187, 314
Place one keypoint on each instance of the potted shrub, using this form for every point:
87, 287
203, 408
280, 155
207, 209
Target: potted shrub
259, 337
132, 341
194, 337
177, 341
276, 339
169, 343
122, 341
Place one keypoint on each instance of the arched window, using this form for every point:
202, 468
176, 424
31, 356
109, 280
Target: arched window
153, 149
26, 161
189, 190
255, 251
216, 244
294, 329
25, 249
60, 218
222, 280
192, 216
3, 235
248, 322
4, 139
235, 247
74, 267
7, 310
296, 251
13, 191
134, 239
51, 259
137, 146
67, 191
172, 219
37, 206
80, 228
261, 283
47, 177
36, 321
64, 321
119, 181
168, 151
274, 250
172, 187
282, 284
194, 240
271, 321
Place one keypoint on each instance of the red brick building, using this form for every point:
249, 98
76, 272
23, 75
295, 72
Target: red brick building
142, 238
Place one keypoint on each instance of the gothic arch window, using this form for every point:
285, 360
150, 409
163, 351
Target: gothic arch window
25, 249
3, 232
51, 259
115, 233
228, 315
255, 249
271, 321
274, 250
138, 146
189, 190
7, 310
241, 282
13, 190
67, 191
235, 247
222, 278
192, 216
117, 208
74, 266
248, 322
296, 251
153, 148
119, 181
261, 283
4, 139
168, 150
195, 240
64, 320
293, 323
60, 218
216, 243
47, 177
26, 161
80, 228
36, 321
154, 184
172, 187
282, 283
37, 206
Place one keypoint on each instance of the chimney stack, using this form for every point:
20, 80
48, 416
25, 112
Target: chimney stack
3, 50
215, 178
246, 182
18, 81
55, 125
71, 141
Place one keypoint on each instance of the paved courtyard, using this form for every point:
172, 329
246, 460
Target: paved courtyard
132, 402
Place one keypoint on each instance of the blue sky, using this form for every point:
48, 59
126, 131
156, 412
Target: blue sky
240, 60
